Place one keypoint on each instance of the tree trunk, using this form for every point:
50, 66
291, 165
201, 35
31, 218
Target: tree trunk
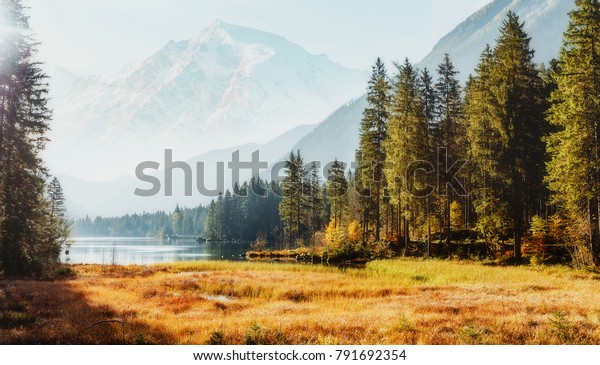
377, 215
397, 223
365, 225
517, 212
428, 228
594, 214
406, 231
597, 243
2, 119
447, 214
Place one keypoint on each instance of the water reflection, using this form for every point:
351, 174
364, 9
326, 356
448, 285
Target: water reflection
145, 251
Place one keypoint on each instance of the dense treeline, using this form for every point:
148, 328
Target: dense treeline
250, 212
574, 146
182, 222
512, 158
33, 223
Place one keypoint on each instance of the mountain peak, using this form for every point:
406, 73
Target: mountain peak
215, 31
218, 25
227, 32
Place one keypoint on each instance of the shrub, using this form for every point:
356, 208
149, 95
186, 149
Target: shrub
260, 244
216, 338
255, 335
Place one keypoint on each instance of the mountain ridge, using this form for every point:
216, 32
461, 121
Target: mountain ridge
545, 21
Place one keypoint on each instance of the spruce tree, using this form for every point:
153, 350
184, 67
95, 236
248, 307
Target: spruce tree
177, 219
428, 102
370, 178
450, 128
490, 197
293, 206
337, 192
58, 226
29, 242
56, 198
314, 198
506, 130
574, 167
210, 224
406, 143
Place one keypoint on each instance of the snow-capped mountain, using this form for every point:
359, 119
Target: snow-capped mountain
545, 22
230, 85
336, 136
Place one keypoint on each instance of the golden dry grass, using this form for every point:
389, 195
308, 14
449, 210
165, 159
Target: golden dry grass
388, 302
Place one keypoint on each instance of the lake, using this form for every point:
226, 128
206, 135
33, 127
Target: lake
146, 251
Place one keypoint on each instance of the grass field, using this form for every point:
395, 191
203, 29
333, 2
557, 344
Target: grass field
388, 302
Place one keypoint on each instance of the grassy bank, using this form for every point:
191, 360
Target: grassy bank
399, 301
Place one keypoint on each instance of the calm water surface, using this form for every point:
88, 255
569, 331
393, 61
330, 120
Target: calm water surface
146, 251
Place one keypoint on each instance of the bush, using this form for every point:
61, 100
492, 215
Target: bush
260, 244
255, 335
216, 338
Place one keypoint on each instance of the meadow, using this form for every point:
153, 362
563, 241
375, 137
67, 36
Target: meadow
404, 301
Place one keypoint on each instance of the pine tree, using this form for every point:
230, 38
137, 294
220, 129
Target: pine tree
29, 242
485, 146
337, 192
58, 226
574, 168
210, 225
506, 128
428, 102
450, 128
228, 216
406, 143
56, 199
177, 220
292, 208
220, 218
370, 180
354, 210
315, 199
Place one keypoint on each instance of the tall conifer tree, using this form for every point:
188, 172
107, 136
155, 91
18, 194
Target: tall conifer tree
514, 158
406, 143
450, 128
29, 241
574, 168
371, 152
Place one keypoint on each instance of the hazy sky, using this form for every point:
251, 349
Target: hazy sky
99, 36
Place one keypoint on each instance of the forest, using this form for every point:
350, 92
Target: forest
507, 164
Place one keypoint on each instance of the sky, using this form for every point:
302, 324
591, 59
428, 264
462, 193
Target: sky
100, 36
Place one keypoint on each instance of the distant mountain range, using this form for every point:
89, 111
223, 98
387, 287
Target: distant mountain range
228, 86
336, 136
